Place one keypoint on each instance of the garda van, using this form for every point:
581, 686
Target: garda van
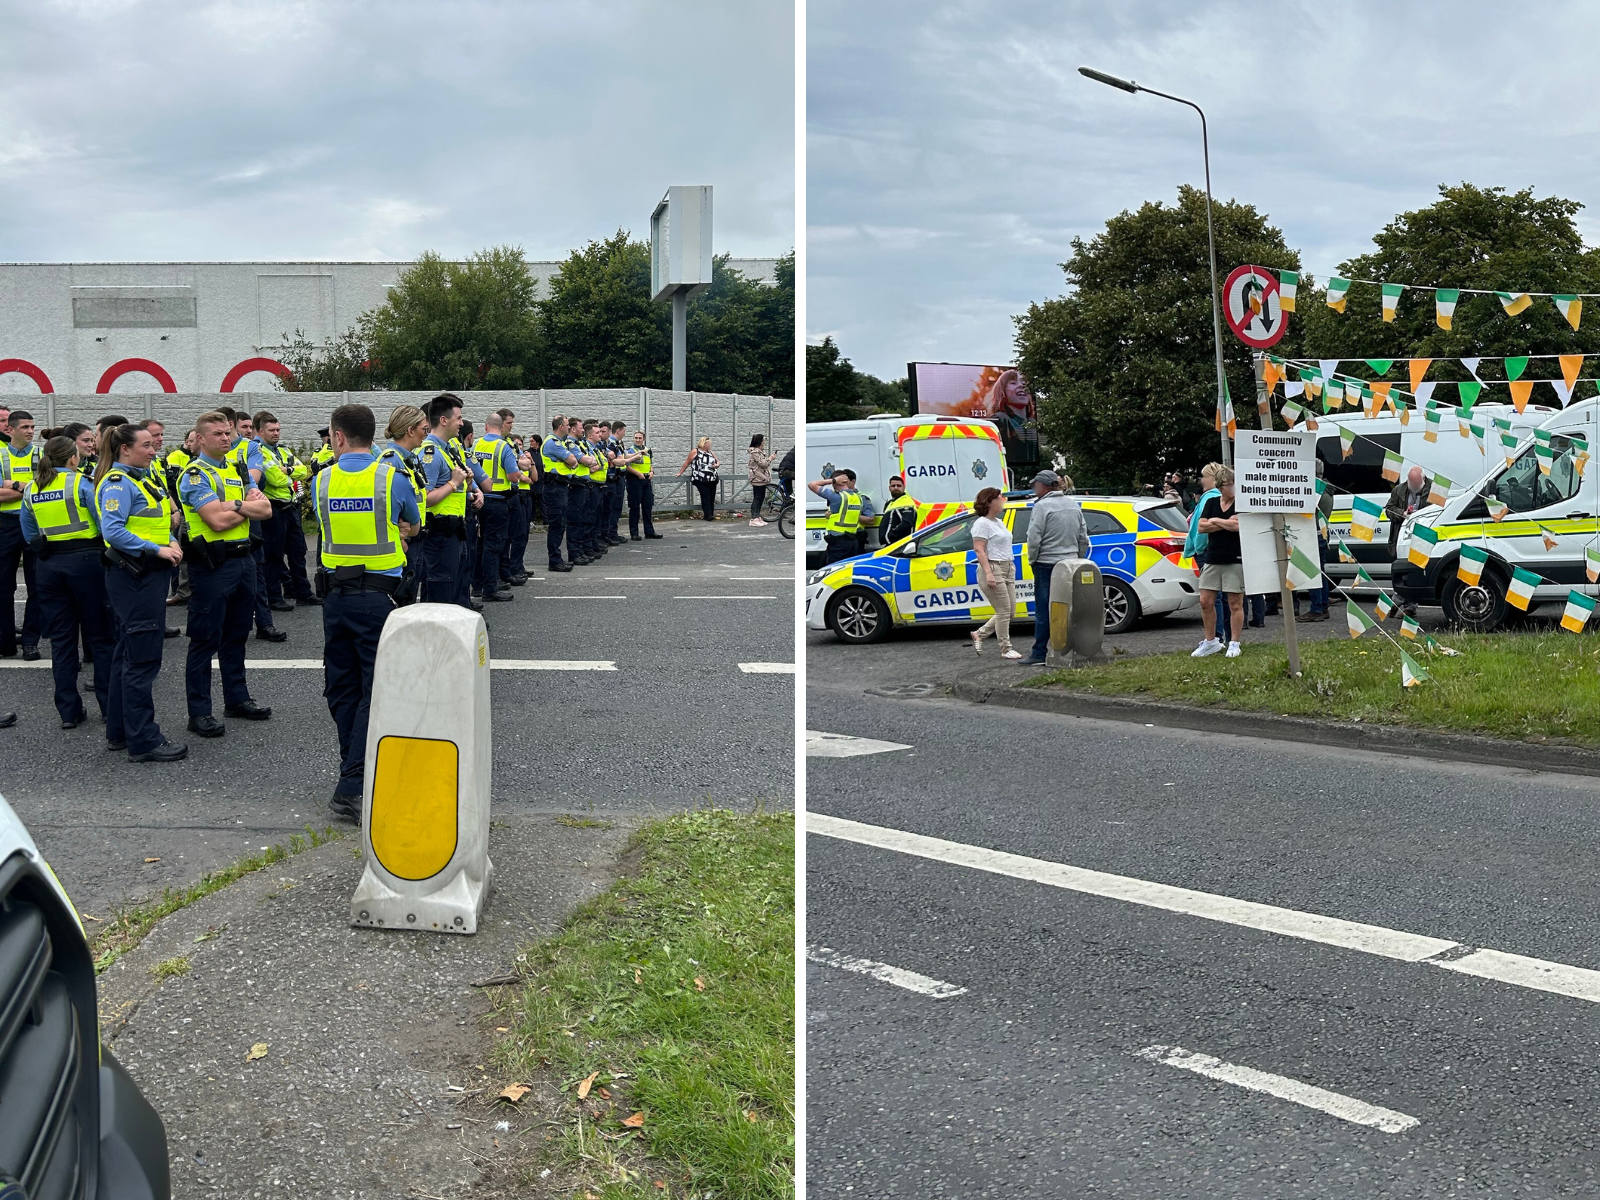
1539, 513
945, 462
1455, 454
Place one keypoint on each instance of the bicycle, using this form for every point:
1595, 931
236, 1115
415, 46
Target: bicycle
786, 521
777, 499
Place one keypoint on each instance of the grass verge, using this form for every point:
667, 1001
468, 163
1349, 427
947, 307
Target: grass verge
1523, 686
130, 925
665, 1008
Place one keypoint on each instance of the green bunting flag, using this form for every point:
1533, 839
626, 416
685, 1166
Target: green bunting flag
1288, 284
1516, 365
1355, 620
1444, 305
1338, 289
1469, 395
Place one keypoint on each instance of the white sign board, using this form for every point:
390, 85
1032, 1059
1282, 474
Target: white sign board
680, 242
1275, 472
1265, 571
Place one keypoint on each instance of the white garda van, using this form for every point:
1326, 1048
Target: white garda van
1549, 514
1460, 459
944, 461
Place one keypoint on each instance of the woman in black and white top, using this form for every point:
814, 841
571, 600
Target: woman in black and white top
997, 578
703, 474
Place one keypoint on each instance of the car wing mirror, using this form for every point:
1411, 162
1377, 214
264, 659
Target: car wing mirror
908, 549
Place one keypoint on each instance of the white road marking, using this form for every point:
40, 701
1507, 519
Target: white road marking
551, 664
1346, 1108
580, 597
761, 578
938, 989
724, 597
1579, 983
642, 578
767, 668
842, 745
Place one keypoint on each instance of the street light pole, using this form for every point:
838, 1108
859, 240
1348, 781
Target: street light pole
1128, 85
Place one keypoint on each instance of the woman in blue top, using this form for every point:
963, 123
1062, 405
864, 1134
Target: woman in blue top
60, 523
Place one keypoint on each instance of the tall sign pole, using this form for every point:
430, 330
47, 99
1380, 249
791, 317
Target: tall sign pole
680, 263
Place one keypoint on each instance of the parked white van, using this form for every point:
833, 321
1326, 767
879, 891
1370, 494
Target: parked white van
1460, 459
944, 461
1549, 514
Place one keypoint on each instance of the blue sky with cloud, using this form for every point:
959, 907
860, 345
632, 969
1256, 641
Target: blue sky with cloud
374, 129
953, 151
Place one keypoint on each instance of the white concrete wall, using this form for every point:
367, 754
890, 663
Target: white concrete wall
672, 420
241, 310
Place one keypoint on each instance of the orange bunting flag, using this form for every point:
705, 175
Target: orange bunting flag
1419, 368
1380, 397
1571, 364
1520, 390
1271, 374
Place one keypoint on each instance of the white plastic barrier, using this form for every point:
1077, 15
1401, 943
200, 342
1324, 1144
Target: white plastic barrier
425, 815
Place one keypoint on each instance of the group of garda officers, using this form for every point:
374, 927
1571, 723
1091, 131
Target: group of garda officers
591, 470
104, 524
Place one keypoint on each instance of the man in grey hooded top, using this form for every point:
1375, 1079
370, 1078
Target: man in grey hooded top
1055, 531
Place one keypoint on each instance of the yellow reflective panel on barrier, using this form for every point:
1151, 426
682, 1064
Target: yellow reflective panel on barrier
414, 790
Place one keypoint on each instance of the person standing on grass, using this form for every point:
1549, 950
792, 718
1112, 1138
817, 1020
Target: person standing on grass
997, 575
1223, 573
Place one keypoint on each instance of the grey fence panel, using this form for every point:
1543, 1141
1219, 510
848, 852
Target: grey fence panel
671, 420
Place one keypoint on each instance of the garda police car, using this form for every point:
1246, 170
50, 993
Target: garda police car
1532, 522
931, 577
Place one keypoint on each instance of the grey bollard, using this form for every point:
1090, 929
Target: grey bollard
1077, 611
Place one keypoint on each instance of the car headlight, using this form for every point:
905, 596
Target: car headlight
818, 576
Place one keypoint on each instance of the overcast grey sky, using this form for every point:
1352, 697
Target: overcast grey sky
953, 150
374, 129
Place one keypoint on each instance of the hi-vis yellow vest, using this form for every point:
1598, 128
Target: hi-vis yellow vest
487, 453
152, 521
355, 516
18, 469
643, 465
553, 453
455, 504
412, 472
227, 485
847, 520
598, 471
60, 515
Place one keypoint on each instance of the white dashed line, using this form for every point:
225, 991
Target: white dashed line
1346, 1108
551, 664
842, 745
1579, 983
767, 668
937, 989
643, 578
724, 597
580, 597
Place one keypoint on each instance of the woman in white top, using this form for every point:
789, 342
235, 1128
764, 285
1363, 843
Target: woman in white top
997, 578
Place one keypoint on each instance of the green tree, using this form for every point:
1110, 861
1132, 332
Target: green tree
458, 326
1124, 366
340, 365
1470, 237
836, 391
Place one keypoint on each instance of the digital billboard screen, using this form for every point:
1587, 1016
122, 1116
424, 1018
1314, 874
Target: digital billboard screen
995, 394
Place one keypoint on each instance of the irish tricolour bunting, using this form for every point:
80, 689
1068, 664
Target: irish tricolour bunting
1444, 305
1519, 593
1423, 540
1364, 516
1288, 284
1470, 568
1591, 563
1410, 673
1357, 621
1577, 612
1338, 289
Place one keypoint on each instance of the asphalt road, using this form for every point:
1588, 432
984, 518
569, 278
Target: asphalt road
676, 724
1031, 1081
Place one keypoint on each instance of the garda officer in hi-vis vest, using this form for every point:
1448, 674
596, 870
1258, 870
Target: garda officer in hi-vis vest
641, 489
406, 431
137, 517
557, 464
498, 462
60, 523
283, 541
446, 482
365, 509
16, 472
845, 510
219, 503
618, 455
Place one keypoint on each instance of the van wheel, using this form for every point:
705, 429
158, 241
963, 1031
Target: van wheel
859, 616
1478, 607
1122, 606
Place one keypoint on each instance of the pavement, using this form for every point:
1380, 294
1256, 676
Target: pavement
677, 723
983, 1025
367, 1031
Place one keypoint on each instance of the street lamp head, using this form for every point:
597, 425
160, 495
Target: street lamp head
1126, 85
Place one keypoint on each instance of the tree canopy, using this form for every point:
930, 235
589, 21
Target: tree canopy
478, 324
1124, 366
836, 391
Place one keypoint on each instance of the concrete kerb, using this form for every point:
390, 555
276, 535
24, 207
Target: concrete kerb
1401, 740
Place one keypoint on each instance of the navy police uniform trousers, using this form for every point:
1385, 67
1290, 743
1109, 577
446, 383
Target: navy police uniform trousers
139, 615
222, 603
352, 621
555, 517
72, 592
